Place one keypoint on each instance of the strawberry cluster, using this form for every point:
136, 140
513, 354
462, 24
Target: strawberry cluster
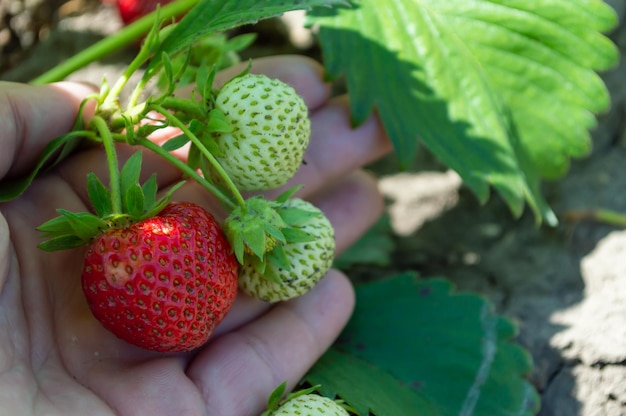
161, 274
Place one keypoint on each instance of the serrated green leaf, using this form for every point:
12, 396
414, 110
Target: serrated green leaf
450, 348
212, 16
99, 196
470, 77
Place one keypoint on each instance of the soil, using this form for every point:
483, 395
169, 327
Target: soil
564, 285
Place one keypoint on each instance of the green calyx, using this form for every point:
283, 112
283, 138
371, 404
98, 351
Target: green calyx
258, 230
131, 203
275, 400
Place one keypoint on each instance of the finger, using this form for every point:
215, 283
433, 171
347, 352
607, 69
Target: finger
336, 147
352, 206
31, 117
280, 346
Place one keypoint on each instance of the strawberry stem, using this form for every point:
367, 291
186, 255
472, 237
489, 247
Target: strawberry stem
111, 154
114, 42
186, 170
215, 164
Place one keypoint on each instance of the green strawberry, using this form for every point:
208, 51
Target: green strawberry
270, 132
304, 403
307, 260
310, 405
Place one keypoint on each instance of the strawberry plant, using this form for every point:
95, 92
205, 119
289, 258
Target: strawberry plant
503, 92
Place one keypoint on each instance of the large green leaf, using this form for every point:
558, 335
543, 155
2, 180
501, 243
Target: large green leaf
450, 349
209, 16
502, 91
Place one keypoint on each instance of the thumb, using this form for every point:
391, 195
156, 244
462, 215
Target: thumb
31, 116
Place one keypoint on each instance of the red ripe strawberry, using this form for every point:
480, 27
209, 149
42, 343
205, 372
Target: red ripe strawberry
131, 10
163, 283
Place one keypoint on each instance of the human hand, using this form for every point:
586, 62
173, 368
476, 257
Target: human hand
55, 358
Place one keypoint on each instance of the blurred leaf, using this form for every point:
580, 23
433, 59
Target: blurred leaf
373, 248
482, 83
376, 390
449, 348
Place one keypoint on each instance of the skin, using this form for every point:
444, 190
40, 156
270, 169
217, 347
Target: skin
56, 359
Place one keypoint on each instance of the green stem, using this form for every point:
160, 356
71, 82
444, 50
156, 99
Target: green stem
183, 105
114, 42
111, 154
610, 217
214, 163
186, 170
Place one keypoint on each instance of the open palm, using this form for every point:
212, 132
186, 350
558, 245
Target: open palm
55, 358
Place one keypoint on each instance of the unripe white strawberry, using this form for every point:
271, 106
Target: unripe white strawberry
310, 405
270, 132
309, 261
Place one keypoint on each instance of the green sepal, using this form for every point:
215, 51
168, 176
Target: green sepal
167, 77
295, 235
245, 72
265, 269
84, 225
274, 232
133, 201
161, 203
295, 216
279, 258
99, 196
254, 228
146, 130
63, 242
204, 80
175, 143
150, 189
285, 196
275, 397
55, 227
130, 172
238, 247
218, 122
129, 128
254, 238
